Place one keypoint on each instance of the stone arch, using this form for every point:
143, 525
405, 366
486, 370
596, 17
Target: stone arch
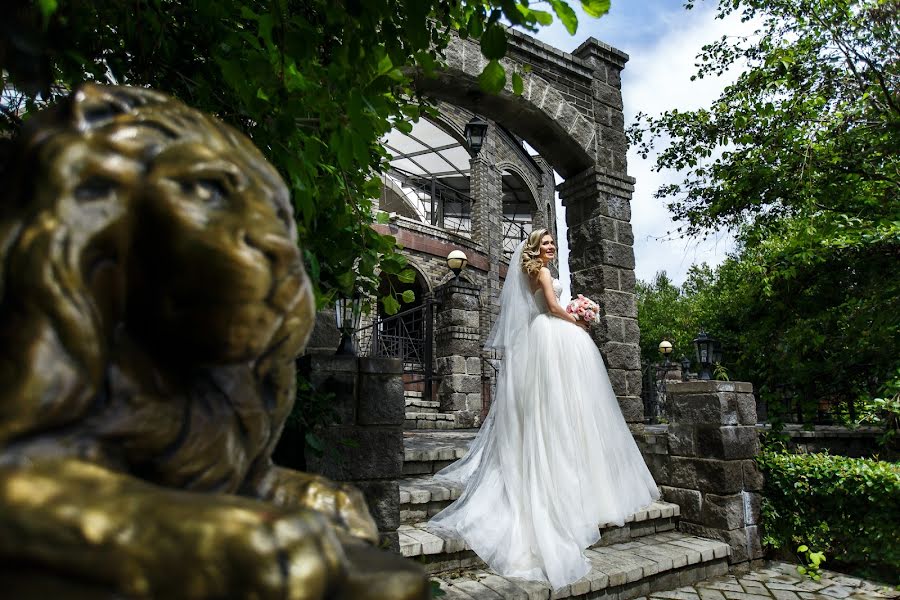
570, 111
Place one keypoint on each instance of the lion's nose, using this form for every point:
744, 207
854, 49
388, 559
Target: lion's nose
281, 253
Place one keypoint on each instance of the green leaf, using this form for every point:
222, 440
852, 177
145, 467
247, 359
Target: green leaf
315, 443
382, 218
595, 8
408, 296
493, 42
391, 306
566, 15
406, 276
48, 7
493, 78
518, 84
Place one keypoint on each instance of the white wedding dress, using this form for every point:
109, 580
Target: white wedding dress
554, 457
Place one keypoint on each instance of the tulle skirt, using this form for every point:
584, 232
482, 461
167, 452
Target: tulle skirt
553, 460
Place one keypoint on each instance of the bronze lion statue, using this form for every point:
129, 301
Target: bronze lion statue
152, 303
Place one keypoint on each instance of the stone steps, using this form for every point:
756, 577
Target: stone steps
619, 571
426, 452
417, 405
422, 497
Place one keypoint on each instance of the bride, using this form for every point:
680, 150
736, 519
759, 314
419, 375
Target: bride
554, 457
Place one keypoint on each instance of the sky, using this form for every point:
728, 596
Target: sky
662, 40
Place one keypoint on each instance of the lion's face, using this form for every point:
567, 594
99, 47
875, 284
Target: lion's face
215, 268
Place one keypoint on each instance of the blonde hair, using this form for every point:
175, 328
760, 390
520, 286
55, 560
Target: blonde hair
531, 263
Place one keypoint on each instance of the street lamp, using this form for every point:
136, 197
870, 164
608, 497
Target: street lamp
457, 261
476, 130
665, 348
705, 348
347, 312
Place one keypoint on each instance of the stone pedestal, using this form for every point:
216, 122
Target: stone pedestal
711, 472
458, 350
365, 447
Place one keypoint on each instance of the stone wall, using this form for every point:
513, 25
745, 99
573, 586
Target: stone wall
860, 442
703, 460
365, 446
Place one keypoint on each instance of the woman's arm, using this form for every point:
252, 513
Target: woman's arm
556, 310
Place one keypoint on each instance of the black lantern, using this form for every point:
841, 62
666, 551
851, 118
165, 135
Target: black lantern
347, 314
685, 367
476, 130
705, 347
457, 261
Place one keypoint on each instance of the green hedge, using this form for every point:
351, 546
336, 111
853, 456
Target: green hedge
847, 507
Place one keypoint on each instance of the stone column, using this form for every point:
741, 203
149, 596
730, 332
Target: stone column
458, 351
601, 262
711, 472
365, 446
598, 213
486, 187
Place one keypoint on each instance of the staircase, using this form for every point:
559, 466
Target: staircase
424, 414
646, 554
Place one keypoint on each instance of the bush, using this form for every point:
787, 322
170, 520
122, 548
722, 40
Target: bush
847, 507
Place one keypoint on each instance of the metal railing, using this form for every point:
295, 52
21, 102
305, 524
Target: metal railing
439, 204
407, 335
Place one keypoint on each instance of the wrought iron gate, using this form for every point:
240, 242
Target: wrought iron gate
409, 336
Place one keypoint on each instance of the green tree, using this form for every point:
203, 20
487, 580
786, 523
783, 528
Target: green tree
314, 83
800, 157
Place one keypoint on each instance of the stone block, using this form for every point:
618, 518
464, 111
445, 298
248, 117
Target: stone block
746, 408
633, 381
380, 400
710, 387
473, 366
617, 255
690, 501
752, 475
729, 442
355, 453
682, 439
632, 408
697, 409
619, 380
383, 499
325, 336
446, 365
627, 280
463, 384
706, 475
624, 233
620, 208
723, 512
621, 304
619, 355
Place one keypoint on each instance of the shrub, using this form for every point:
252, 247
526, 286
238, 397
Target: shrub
847, 507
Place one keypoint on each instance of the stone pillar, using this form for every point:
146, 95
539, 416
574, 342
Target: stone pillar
711, 472
458, 351
365, 446
598, 213
601, 262
486, 187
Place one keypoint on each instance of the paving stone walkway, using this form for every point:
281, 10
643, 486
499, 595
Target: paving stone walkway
778, 581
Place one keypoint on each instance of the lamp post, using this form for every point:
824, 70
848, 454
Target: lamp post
457, 261
347, 314
476, 130
705, 347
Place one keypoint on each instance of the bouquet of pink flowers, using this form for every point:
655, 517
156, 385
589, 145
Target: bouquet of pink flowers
584, 309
